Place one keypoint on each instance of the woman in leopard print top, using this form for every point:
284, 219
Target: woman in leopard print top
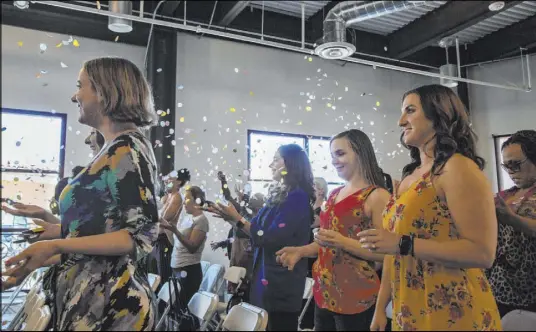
513, 275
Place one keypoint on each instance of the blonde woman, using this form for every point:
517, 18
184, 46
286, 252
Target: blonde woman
108, 213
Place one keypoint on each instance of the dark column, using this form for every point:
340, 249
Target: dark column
463, 88
162, 75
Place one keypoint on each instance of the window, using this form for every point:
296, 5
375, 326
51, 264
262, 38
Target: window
32, 157
263, 145
503, 179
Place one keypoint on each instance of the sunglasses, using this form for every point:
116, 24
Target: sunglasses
513, 166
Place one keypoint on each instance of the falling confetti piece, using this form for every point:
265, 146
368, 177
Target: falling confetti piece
284, 172
63, 65
173, 142
308, 108
281, 225
20, 43
215, 150
98, 5
182, 119
75, 43
59, 45
179, 105
166, 249
43, 47
18, 143
159, 70
16, 179
346, 88
4, 128
310, 59
299, 123
198, 201
251, 93
264, 282
238, 121
184, 274
116, 38
378, 103
236, 70
372, 123
246, 173
205, 119
232, 109
171, 131
180, 87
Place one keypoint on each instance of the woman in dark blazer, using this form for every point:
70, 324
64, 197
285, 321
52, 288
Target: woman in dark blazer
284, 221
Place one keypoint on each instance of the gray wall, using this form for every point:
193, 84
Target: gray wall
499, 111
21, 89
206, 70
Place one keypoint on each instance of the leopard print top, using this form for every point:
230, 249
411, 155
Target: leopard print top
513, 274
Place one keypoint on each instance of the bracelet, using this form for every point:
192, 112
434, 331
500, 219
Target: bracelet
404, 245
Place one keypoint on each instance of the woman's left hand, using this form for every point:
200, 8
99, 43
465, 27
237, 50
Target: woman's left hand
166, 225
330, 238
379, 241
32, 258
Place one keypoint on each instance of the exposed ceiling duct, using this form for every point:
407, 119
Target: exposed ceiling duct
344, 14
116, 24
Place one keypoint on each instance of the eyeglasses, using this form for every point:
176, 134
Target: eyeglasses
513, 166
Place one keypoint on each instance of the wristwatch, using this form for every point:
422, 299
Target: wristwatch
406, 245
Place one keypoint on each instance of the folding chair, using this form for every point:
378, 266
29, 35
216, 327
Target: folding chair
236, 275
203, 305
154, 281
163, 296
245, 317
519, 320
307, 295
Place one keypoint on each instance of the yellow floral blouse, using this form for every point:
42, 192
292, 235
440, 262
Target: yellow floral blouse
428, 296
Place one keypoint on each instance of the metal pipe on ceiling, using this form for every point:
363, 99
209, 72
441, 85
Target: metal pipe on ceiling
271, 44
196, 23
529, 84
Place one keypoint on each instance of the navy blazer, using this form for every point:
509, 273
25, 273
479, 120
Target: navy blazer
274, 287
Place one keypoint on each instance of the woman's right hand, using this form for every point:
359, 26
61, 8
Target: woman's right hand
289, 257
379, 321
25, 210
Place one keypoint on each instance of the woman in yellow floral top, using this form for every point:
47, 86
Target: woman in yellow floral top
440, 228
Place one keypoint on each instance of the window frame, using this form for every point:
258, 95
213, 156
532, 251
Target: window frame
498, 158
63, 138
306, 139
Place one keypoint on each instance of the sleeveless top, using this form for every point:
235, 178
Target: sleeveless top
345, 283
426, 295
513, 274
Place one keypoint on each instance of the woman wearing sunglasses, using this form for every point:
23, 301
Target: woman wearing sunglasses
512, 276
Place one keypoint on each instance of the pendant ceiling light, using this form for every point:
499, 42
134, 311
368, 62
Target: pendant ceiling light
120, 25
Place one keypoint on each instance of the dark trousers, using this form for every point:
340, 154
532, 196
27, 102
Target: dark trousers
189, 283
326, 320
282, 321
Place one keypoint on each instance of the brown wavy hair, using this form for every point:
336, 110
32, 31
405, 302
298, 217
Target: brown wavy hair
453, 133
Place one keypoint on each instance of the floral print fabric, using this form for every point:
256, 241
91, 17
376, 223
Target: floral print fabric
428, 296
344, 283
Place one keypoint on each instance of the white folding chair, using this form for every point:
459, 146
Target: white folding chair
245, 317
39, 319
307, 295
519, 320
204, 267
203, 306
163, 295
154, 281
389, 310
213, 279
236, 275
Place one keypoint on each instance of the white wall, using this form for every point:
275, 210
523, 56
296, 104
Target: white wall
499, 111
206, 70
21, 89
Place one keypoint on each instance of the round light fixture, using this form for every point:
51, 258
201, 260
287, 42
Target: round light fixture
495, 6
448, 70
21, 4
120, 25
335, 50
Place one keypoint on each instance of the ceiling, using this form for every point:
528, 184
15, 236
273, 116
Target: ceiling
411, 35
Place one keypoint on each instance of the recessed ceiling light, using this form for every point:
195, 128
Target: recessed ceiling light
496, 6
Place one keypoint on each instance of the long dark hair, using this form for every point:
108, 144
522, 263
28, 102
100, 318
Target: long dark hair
527, 140
366, 158
453, 134
299, 174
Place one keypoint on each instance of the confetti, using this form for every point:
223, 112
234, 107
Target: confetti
251, 93
215, 150
59, 45
4, 128
184, 274
43, 47
310, 59
75, 43
284, 172
264, 282
179, 105
238, 121
299, 123
20, 44
236, 70
63, 65
180, 87
198, 201
232, 109
116, 38
281, 225
378, 104
159, 70
173, 142
98, 5
205, 119
18, 143
372, 123
308, 108
182, 119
